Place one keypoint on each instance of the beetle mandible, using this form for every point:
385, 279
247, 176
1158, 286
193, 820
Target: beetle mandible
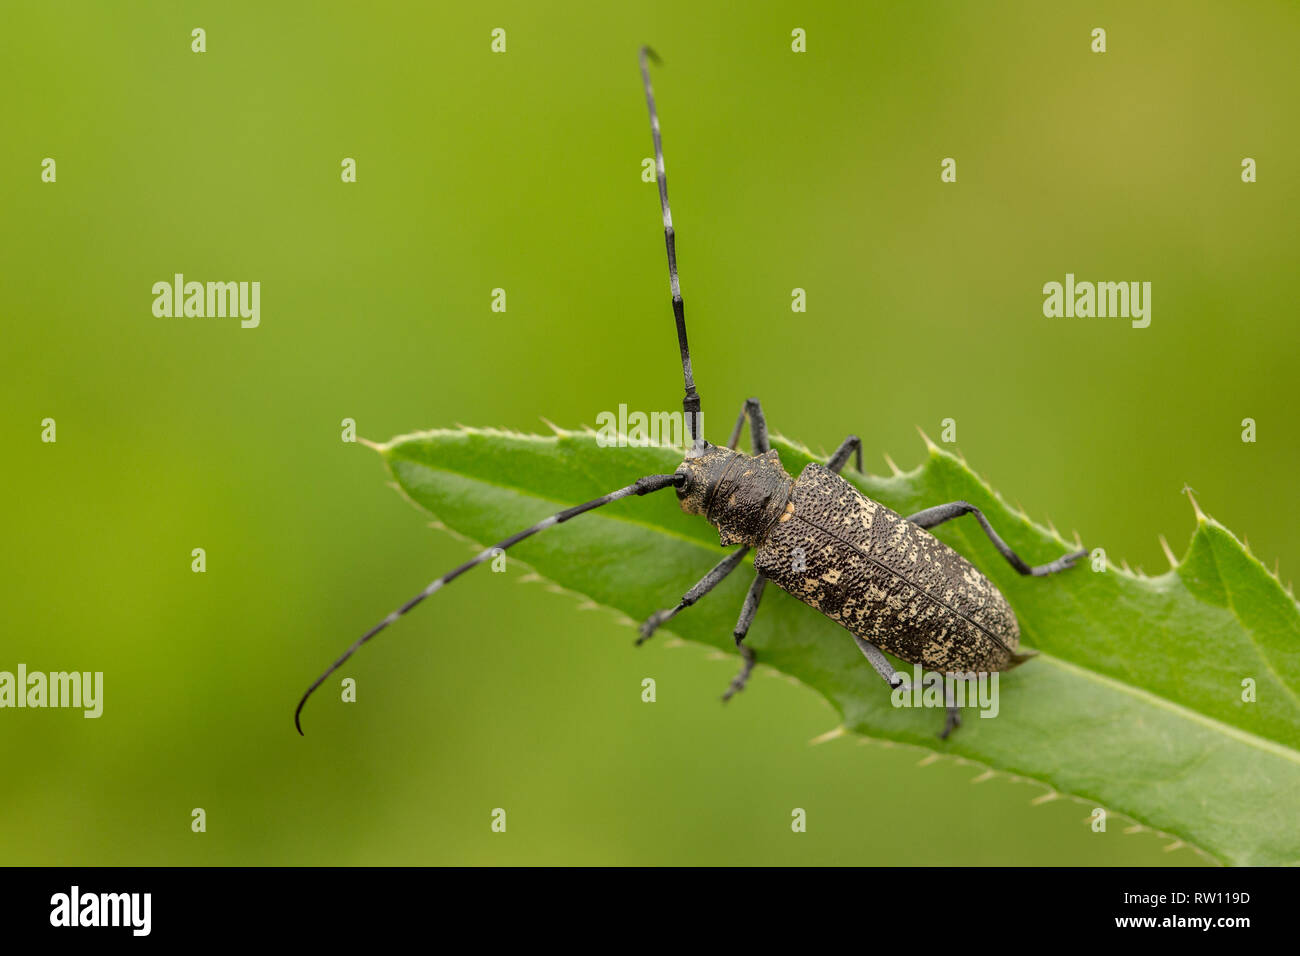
883, 577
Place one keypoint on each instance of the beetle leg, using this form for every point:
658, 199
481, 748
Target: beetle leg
757, 426
953, 720
937, 515
877, 661
702, 587
747, 612
896, 680
847, 447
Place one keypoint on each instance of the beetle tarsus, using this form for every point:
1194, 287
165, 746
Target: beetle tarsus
654, 621
951, 724
739, 682
1063, 563
747, 611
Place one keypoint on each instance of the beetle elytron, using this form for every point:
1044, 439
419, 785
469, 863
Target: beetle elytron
887, 580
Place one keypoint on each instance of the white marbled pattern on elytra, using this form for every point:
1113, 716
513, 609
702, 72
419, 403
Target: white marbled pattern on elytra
887, 580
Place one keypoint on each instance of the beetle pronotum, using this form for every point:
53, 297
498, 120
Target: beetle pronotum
883, 577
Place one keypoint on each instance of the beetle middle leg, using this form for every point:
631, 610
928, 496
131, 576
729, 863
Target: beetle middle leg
702, 587
896, 680
747, 612
931, 517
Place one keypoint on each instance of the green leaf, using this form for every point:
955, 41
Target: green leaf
1134, 703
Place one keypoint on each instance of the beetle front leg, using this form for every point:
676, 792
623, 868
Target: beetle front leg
753, 410
850, 446
896, 680
931, 517
747, 612
702, 587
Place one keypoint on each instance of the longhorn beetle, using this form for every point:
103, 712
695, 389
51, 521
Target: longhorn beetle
883, 577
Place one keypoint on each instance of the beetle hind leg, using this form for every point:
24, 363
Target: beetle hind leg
895, 680
877, 660
932, 517
953, 720
747, 612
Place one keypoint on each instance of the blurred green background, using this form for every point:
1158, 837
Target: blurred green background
522, 171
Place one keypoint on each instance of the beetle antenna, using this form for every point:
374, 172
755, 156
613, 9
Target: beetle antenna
641, 486
691, 402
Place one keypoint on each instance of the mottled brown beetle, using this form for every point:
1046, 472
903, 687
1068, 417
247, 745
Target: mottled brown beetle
883, 577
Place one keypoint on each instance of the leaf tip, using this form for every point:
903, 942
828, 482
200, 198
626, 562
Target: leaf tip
1191, 496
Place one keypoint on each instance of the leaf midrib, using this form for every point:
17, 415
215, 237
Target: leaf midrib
1186, 713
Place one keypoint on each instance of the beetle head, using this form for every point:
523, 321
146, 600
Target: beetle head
702, 469
740, 495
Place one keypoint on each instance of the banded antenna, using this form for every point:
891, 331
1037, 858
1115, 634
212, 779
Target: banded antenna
691, 401
641, 486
